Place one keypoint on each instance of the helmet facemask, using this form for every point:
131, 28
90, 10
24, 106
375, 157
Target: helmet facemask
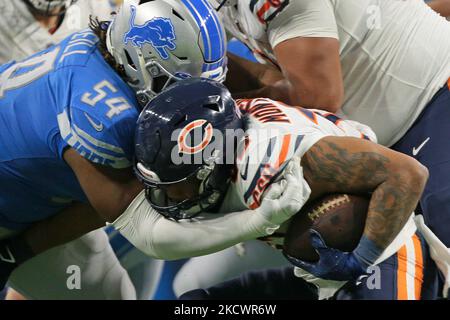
210, 180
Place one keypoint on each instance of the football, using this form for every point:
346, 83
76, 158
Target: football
339, 218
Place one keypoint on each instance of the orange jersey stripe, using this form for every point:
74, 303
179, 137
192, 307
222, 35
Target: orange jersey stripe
263, 10
418, 279
402, 288
284, 150
304, 112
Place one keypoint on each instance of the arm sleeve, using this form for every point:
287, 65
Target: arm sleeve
169, 240
305, 18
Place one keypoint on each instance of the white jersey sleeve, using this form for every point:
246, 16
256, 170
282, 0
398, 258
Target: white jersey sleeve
306, 18
274, 134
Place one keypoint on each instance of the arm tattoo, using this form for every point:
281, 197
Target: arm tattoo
333, 168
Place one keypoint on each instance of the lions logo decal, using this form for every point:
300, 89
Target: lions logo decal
158, 32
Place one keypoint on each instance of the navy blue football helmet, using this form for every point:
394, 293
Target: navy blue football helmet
183, 136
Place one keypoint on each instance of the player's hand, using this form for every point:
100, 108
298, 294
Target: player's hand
284, 198
333, 264
13, 252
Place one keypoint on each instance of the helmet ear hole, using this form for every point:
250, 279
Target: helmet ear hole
212, 106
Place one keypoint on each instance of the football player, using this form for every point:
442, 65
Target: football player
197, 150
30, 26
68, 118
383, 63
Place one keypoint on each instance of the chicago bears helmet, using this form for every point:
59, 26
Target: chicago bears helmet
161, 41
184, 136
47, 7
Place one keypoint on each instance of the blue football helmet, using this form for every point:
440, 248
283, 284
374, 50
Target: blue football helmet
183, 136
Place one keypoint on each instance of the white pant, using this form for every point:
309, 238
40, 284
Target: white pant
204, 272
101, 275
145, 272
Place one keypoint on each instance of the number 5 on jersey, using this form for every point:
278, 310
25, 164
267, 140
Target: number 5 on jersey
116, 105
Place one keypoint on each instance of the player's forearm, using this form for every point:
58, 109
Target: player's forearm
169, 240
206, 235
68, 225
109, 191
349, 165
246, 76
392, 203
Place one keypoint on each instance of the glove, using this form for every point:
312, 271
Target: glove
282, 200
13, 252
336, 265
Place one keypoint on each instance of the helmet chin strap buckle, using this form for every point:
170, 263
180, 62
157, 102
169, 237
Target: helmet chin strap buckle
214, 198
154, 70
205, 172
142, 98
208, 168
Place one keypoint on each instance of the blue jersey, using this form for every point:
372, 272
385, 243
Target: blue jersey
64, 97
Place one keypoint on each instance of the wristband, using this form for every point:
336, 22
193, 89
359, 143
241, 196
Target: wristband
367, 252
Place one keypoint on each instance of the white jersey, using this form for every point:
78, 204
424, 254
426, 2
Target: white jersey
395, 55
274, 134
21, 35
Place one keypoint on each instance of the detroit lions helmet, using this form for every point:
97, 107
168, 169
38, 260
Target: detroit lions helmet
47, 7
161, 41
185, 135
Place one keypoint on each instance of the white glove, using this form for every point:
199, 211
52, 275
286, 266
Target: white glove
282, 200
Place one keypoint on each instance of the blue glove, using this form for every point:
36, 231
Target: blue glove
334, 264
13, 252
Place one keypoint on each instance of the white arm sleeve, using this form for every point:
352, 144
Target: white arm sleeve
305, 18
164, 239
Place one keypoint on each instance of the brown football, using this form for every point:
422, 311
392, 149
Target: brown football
339, 218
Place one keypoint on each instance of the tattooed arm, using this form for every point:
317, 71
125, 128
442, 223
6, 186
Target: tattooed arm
350, 165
